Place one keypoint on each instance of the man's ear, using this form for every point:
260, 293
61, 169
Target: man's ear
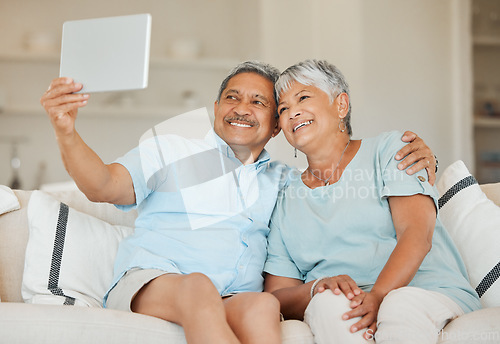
216, 105
277, 128
343, 104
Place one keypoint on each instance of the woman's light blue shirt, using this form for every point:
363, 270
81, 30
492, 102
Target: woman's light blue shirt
347, 228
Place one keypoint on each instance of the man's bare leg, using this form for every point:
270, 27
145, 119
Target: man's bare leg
254, 317
191, 301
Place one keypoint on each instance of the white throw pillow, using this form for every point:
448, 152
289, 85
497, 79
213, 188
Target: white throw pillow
473, 222
69, 256
8, 200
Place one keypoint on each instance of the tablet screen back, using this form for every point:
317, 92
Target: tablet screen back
107, 54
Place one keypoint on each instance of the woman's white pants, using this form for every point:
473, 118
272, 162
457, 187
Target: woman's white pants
408, 315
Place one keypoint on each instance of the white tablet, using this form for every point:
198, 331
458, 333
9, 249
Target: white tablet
107, 54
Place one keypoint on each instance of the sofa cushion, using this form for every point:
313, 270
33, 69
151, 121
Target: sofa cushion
473, 222
476, 327
69, 256
45, 324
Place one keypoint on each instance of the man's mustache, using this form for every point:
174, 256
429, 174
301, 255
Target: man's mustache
242, 119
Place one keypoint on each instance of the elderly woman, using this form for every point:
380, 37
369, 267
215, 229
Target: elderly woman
355, 246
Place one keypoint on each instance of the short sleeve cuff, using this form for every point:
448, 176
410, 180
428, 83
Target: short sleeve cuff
279, 262
136, 180
282, 268
407, 187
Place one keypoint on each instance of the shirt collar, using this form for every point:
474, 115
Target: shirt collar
215, 141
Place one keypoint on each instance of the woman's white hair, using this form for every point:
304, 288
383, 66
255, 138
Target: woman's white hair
320, 74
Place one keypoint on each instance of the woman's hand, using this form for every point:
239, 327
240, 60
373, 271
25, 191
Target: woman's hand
338, 284
365, 305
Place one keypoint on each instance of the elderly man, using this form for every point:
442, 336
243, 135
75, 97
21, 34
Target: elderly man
199, 247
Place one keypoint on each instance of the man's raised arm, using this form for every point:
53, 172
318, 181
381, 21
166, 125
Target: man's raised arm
98, 181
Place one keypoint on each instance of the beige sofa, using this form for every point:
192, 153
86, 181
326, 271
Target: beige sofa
37, 323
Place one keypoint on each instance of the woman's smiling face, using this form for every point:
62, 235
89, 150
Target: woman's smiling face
306, 115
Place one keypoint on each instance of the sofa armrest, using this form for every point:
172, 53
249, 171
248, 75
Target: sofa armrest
13, 240
492, 191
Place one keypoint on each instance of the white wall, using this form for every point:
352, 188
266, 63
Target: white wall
217, 24
400, 58
404, 61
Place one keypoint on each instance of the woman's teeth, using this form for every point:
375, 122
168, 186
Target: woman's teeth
300, 125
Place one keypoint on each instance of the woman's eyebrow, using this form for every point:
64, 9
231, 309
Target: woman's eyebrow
295, 95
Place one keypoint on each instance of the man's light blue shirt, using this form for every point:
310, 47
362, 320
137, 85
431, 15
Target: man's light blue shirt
200, 210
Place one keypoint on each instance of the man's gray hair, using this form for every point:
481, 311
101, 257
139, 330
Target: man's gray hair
263, 69
320, 74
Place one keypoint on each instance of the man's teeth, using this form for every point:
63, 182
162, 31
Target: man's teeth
241, 125
300, 125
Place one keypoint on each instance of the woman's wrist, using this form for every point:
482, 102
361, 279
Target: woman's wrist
315, 284
380, 293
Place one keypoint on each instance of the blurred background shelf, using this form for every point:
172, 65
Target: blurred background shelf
486, 74
487, 41
103, 112
481, 122
155, 61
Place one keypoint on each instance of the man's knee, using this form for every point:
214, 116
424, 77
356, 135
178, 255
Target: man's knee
265, 303
196, 290
197, 283
253, 305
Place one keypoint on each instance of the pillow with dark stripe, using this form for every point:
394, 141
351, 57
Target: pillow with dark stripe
70, 255
473, 222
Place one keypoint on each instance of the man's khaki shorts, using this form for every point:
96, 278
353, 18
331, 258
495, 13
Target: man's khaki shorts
121, 296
